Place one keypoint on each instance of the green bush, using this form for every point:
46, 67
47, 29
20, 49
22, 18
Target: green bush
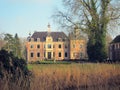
50, 62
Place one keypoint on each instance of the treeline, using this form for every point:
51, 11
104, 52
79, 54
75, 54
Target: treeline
13, 44
14, 73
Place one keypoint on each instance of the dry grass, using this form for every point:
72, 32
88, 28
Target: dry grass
10, 82
75, 77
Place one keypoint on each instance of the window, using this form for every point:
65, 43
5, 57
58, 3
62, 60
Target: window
53, 46
66, 46
81, 55
44, 46
73, 45
38, 46
59, 46
31, 46
74, 54
32, 39
44, 54
32, 55
59, 54
80, 46
65, 54
59, 39
49, 45
38, 54
38, 39
53, 54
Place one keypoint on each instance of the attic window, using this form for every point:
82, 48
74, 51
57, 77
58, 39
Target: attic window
59, 39
38, 39
65, 39
32, 39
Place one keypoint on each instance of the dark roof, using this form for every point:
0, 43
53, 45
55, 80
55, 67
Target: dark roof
116, 40
54, 35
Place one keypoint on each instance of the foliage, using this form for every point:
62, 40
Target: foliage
17, 46
50, 62
13, 70
13, 44
2, 42
93, 17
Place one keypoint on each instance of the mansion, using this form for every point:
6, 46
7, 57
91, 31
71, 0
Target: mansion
114, 49
56, 46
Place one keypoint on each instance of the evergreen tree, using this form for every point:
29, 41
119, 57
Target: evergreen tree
9, 42
13, 44
17, 46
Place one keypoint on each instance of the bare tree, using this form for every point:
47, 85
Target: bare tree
94, 17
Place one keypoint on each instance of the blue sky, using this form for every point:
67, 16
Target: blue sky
24, 16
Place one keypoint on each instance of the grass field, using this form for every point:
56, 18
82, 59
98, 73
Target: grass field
75, 76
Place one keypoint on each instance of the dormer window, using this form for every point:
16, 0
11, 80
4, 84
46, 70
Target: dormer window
38, 39
65, 39
59, 39
32, 39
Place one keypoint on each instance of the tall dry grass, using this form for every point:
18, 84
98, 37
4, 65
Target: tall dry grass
76, 77
10, 82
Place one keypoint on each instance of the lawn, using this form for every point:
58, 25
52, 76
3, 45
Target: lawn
75, 76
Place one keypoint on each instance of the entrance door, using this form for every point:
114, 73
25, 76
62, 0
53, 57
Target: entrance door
49, 55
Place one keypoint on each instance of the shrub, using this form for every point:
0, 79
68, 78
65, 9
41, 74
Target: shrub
13, 72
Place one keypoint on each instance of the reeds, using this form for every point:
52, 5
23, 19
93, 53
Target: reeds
10, 82
85, 76
76, 77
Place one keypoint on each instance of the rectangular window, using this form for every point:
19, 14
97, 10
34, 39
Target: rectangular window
80, 46
65, 54
38, 54
53, 46
81, 55
59, 54
49, 45
59, 46
44, 54
53, 54
38, 39
38, 46
32, 39
31, 46
32, 54
44, 46
74, 54
66, 46
73, 45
